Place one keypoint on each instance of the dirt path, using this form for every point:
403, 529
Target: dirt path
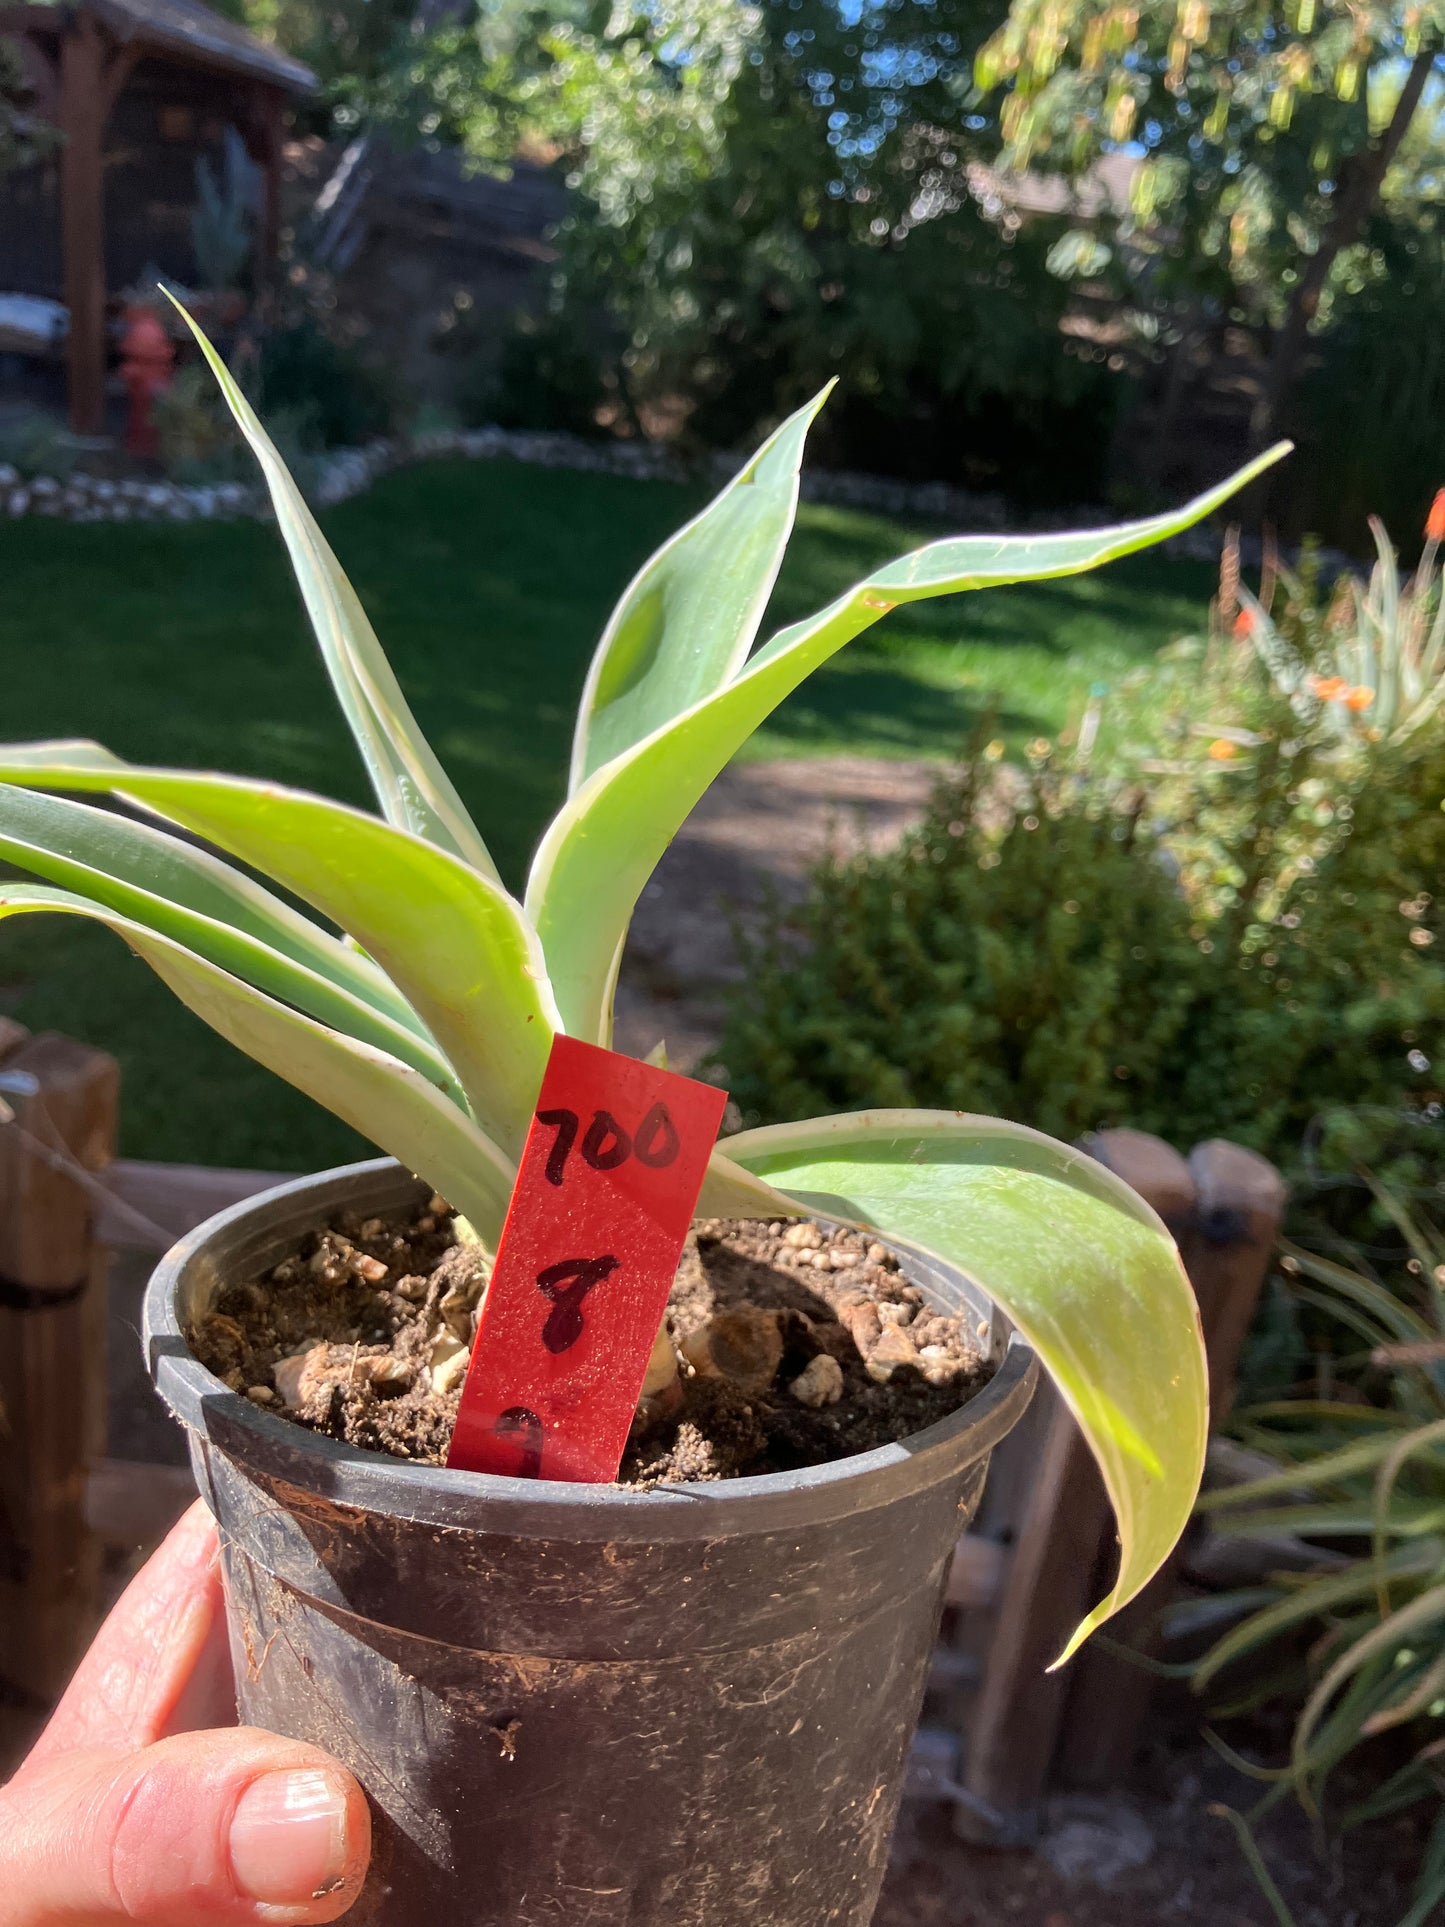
761, 826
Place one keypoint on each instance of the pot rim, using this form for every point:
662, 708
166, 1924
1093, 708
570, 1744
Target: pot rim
376, 1482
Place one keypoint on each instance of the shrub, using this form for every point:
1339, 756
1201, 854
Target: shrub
304, 375
1228, 927
34, 445
1012, 934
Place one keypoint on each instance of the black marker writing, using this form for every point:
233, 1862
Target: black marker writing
567, 1284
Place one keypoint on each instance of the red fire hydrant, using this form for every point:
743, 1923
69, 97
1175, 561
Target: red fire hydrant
148, 359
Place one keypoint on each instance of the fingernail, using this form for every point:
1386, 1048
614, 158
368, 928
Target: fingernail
288, 1837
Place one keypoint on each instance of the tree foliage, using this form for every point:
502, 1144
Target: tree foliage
1270, 131
769, 195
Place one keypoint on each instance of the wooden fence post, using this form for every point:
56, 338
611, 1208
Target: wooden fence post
62, 1098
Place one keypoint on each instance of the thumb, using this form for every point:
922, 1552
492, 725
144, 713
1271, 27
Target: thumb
222, 1829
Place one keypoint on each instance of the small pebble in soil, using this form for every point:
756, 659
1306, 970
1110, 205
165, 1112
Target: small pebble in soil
794, 1344
819, 1383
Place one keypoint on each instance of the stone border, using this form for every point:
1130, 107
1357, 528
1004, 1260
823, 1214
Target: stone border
348, 472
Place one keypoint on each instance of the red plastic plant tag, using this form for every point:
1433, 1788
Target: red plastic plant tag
604, 1196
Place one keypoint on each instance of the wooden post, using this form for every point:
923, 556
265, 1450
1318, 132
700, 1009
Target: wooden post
264, 140
82, 217
1226, 1251
62, 1096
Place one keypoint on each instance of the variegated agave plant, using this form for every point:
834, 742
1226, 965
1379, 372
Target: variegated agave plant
427, 1024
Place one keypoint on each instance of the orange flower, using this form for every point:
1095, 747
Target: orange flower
1220, 751
1359, 698
1329, 689
1244, 622
1435, 520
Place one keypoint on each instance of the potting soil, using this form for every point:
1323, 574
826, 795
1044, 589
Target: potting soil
795, 1343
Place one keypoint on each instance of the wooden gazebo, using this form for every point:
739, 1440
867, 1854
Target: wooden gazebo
138, 89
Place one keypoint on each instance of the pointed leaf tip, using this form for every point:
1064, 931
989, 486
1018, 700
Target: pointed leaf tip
414, 791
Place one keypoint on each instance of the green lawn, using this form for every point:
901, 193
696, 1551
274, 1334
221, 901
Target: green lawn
488, 583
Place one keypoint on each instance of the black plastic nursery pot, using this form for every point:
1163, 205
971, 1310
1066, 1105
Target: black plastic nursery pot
569, 1704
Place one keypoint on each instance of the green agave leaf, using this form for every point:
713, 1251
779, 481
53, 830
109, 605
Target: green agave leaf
687, 620
729, 1191
1073, 1256
1255, 1861
1308, 1474
1312, 1410
413, 789
1386, 1508
1311, 1600
1427, 1610
1342, 1519
1389, 1312
603, 845
455, 944
186, 893
388, 1101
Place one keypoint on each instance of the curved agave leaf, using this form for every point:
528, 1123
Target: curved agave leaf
389, 1102
1074, 1257
1315, 1471
1312, 1600
456, 945
730, 1191
1392, 1633
605, 842
218, 913
688, 618
413, 789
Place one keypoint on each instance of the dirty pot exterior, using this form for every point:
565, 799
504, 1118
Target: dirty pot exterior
578, 1704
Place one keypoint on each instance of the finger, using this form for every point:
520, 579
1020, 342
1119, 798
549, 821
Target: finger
227, 1829
160, 1663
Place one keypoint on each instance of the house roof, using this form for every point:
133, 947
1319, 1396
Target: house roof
189, 28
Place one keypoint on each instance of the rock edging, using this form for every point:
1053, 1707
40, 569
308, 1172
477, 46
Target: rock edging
345, 473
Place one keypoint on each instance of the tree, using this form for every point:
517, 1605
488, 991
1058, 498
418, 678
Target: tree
1269, 129
766, 196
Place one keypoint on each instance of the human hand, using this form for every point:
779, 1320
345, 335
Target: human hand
127, 1810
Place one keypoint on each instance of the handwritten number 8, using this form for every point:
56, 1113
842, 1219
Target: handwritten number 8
607, 1145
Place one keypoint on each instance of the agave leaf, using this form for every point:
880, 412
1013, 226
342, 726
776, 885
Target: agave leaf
688, 618
218, 912
1386, 1517
1072, 1255
1326, 1411
729, 1191
455, 944
1310, 1473
1312, 1600
413, 789
1393, 1316
1345, 1518
388, 1101
1255, 1861
1426, 1610
603, 845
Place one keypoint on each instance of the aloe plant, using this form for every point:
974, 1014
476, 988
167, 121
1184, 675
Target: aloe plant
1374, 671
428, 1023
1365, 1483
